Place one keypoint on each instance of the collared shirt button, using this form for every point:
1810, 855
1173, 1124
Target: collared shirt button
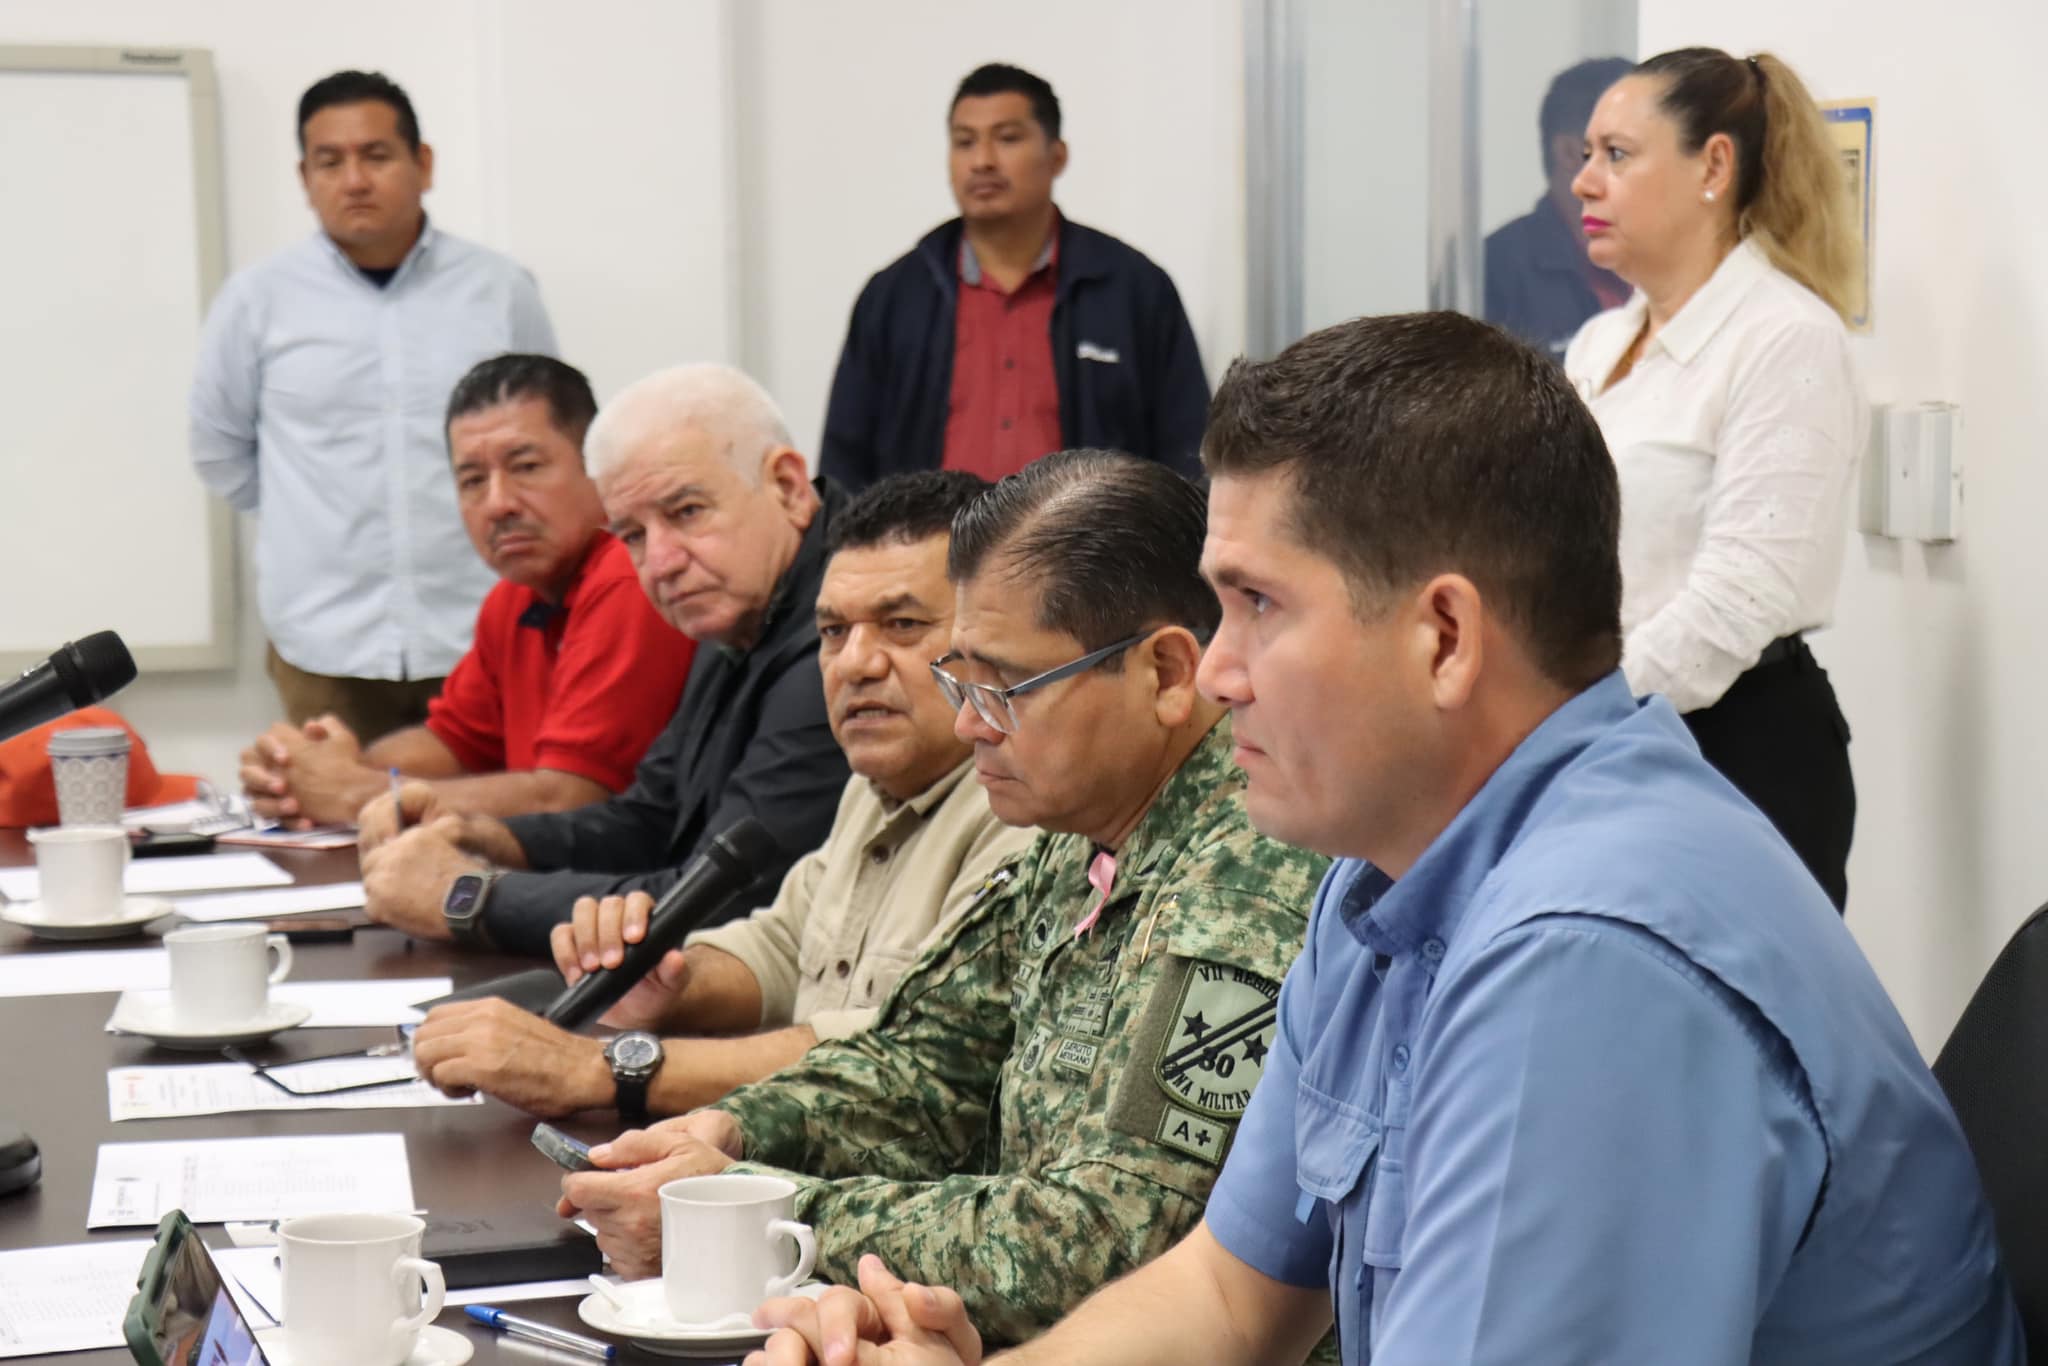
878, 853
1433, 949
1400, 1057
843, 967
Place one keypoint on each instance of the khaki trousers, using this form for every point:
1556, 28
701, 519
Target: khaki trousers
371, 707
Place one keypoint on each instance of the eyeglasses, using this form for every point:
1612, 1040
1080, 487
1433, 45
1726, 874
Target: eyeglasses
993, 704
400, 1049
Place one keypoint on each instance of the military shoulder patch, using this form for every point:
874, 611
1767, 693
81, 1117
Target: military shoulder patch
1222, 1029
1199, 1048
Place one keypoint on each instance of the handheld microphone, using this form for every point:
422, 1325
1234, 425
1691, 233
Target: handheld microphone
79, 674
725, 866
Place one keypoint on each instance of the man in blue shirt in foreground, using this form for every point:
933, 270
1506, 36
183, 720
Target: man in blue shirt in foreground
1579, 1064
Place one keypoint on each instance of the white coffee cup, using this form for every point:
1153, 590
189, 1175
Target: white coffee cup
221, 975
352, 1288
79, 871
722, 1247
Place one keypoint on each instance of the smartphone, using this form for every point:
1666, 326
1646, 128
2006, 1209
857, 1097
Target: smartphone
571, 1155
313, 929
182, 1314
156, 843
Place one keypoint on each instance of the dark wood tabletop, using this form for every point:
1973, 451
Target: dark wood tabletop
467, 1161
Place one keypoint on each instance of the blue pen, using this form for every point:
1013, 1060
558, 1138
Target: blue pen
540, 1332
397, 802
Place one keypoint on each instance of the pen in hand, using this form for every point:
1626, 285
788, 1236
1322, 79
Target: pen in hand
397, 800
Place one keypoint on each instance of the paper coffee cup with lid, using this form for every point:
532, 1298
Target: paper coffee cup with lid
90, 767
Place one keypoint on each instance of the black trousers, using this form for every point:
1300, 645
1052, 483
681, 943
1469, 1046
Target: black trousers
1779, 735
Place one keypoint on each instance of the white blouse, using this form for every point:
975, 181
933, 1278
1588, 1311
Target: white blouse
1735, 438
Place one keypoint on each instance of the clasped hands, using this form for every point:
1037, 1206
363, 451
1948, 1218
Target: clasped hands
301, 776
413, 848
887, 1322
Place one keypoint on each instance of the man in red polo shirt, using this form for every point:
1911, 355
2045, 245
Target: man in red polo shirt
1012, 330
572, 672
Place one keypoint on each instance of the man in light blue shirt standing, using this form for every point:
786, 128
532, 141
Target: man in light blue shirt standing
1578, 1065
323, 381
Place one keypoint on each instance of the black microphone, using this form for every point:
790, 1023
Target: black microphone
725, 866
81, 673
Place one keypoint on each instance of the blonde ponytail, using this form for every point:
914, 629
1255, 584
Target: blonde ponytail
1791, 194
1802, 215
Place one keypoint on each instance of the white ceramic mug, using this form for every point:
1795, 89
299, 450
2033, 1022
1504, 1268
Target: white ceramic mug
722, 1244
352, 1288
79, 871
220, 974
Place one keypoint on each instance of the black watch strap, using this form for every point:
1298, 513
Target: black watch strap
632, 1098
630, 1079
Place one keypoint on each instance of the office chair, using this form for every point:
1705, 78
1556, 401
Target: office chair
1994, 1068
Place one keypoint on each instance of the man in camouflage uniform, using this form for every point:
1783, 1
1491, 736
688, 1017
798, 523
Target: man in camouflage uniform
1048, 1094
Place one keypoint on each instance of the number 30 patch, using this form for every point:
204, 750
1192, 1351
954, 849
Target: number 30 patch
1215, 1050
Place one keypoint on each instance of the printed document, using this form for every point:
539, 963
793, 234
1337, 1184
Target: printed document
267, 902
213, 1179
162, 876
67, 1299
220, 1088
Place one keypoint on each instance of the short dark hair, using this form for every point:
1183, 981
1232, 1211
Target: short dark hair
1568, 104
998, 78
354, 87
509, 378
1421, 443
904, 508
1113, 544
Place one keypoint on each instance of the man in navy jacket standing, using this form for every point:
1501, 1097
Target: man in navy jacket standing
1011, 331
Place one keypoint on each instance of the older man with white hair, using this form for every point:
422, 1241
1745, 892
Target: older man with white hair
727, 530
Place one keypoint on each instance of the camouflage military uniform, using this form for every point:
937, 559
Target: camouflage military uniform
1035, 1114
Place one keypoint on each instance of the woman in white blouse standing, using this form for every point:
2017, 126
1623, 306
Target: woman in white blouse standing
1726, 395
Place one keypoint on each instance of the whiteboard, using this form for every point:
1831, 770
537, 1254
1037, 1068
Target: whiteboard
110, 249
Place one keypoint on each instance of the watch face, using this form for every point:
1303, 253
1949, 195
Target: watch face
635, 1052
463, 895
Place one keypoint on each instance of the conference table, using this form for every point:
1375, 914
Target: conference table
467, 1161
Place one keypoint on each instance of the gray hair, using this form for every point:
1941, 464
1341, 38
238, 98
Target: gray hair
715, 399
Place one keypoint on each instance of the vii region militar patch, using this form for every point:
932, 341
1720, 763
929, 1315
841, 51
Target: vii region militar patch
1222, 1030
1205, 1030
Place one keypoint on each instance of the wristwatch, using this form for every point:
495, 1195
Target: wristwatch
635, 1056
463, 908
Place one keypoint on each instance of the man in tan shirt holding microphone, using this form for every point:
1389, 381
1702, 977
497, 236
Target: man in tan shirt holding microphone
913, 843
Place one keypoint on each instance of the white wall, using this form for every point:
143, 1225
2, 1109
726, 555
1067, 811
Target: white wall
587, 142
1939, 653
603, 143
842, 154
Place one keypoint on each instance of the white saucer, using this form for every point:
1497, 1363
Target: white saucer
437, 1346
135, 912
149, 1014
652, 1330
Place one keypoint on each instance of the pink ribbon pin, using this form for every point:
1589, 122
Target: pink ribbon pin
1101, 876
